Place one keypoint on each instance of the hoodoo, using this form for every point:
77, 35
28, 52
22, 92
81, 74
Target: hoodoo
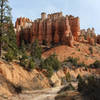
51, 28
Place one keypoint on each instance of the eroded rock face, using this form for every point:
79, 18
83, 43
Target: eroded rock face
23, 30
16, 75
53, 28
75, 26
98, 39
89, 35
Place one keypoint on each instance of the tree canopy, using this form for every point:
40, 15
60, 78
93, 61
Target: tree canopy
5, 19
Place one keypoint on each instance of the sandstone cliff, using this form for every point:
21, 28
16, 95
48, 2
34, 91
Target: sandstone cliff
51, 28
89, 35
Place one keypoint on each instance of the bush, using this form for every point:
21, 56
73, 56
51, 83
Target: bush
91, 50
82, 64
27, 62
9, 56
49, 71
36, 50
96, 64
31, 64
81, 84
50, 64
44, 42
90, 88
24, 61
63, 81
53, 62
74, 61
68, 77
79, 77
23, 47
18, 89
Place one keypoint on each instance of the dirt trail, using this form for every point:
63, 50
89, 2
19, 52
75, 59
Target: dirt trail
45, 94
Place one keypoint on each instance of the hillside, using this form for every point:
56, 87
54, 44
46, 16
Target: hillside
49, 57
80, 50
13, 75
53, 56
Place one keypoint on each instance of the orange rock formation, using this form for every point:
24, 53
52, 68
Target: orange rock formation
89, 35
98, 39
51, 28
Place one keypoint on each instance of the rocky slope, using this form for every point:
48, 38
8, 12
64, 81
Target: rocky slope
12, 74
16, 75
80, 50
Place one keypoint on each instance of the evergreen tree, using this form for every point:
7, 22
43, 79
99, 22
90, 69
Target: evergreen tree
51, 64
5, 19
9, 56
9, 42
36, 50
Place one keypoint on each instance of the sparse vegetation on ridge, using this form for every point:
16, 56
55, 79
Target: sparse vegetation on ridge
74, 62
96, 64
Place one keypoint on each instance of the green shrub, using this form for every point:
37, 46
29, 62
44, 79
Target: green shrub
24, 61
23, 47
91, 50
49, 71
63, 81
78, 49
9, 56
96, 64
18, 89
50, 64
82, 64
31, 64
68, 77
44, 42
74, 61
36, 50
79, 77
90, 88
27, 62
81, 84
53, 62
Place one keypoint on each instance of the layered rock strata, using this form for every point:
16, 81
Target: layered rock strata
51, 28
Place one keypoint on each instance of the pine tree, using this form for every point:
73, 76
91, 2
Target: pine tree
36, 50
5, 19
9, 43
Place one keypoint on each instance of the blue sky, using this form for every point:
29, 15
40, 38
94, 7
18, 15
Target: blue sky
87, 10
